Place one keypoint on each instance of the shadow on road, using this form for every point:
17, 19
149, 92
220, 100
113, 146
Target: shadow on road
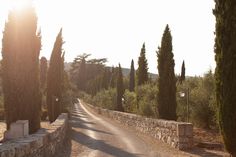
100, 145
76, 137
77, 122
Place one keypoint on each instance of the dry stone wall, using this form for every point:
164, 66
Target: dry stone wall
177, 134
43, 143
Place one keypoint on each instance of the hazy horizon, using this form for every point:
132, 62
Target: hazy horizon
116, 30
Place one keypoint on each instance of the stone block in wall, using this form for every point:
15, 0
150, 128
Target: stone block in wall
176, 134
18, 129
189, 130
22, 149
181, 129
185, 135
38, 144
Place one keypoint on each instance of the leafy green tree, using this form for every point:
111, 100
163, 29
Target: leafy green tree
43, 72
132, 77
203, 102
21, 46
130, 104
119, 90
225, 73
147, 99
142, 71
166, 80
55, 79
90, 75
75, 69
182, 77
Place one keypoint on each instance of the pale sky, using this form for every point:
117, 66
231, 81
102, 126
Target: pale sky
116, 29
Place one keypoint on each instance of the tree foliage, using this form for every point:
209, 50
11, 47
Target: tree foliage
114, 72
142, 71
82, 74
203, 102
132, 77
225, 73
55, 79
166, 80
90, 75
182, 76
43, 72
21, 46
119, 90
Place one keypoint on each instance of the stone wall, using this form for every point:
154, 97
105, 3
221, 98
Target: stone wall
177, 134
43, 143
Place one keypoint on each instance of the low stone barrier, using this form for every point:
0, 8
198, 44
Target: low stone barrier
177, 134
44, 143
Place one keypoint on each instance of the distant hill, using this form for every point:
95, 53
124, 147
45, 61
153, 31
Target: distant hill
125, 71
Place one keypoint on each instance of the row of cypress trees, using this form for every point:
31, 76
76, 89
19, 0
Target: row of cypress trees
21, 45
166, 79
225, 73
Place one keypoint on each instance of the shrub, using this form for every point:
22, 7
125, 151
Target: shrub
146, 109
147, 100
106, 99
130, 102
202, 113
202, 102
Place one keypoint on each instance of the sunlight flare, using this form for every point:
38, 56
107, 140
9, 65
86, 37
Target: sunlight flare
20, 4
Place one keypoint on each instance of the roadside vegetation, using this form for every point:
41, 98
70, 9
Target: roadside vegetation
25, 85
33, 93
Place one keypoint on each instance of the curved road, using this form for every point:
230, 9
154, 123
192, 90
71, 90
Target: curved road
101, 137
92, 135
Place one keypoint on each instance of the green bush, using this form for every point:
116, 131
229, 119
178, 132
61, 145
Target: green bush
192, 83
202, 102
147, 100
202, 111
106, 99
86, 97
146, 109
130, 102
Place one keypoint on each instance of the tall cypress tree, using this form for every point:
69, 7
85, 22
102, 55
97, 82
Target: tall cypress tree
43, 72
142, 71
132, 77
166, 79
119, 90
182, 77
225, 72
20, 64
55, 79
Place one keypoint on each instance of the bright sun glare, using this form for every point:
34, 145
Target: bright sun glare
19, 4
